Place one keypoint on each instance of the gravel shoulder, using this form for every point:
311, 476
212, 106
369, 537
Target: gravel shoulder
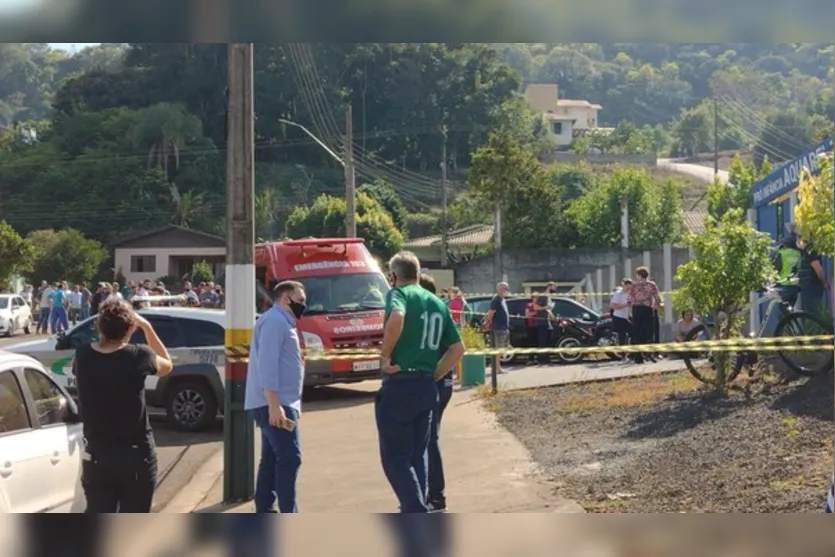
662, 444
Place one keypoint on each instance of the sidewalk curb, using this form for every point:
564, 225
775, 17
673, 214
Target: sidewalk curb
188, 499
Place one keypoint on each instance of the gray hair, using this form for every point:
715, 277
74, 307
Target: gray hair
405, 265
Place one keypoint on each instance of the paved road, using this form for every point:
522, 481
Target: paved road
181, 455
697, 170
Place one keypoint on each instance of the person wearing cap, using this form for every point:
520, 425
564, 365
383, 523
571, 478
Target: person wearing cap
417, 324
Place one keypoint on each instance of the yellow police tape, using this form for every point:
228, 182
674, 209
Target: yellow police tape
779, 344
466, 295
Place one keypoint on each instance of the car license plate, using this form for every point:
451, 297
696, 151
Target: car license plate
367, 366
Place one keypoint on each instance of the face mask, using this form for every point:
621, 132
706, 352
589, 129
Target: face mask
297, 308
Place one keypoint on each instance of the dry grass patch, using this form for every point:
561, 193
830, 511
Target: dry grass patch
637, 391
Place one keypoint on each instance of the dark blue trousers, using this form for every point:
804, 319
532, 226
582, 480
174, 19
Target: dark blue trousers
278, 470
437, 483
403, 408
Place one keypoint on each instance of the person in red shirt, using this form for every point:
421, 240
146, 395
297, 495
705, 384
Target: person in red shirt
457, 306
530, 322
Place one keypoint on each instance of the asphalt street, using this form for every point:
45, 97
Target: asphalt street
180, 455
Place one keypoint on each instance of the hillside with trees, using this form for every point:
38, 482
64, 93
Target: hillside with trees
122, 138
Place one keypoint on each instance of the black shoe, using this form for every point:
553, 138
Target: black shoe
437, 506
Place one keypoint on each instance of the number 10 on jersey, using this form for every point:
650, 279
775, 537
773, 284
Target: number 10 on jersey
433, 329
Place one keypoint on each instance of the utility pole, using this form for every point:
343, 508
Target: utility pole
715, 137
350, 177
497, 243
445, 213
238, 445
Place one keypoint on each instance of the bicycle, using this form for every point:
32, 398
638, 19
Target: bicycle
789, 325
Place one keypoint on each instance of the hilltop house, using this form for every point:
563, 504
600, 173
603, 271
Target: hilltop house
567, 118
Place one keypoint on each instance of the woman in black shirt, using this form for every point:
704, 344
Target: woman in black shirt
119, 466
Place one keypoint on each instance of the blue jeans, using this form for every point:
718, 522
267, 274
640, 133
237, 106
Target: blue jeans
85, 311
43, 320
437, 483
281, 458
58, 317
403, 408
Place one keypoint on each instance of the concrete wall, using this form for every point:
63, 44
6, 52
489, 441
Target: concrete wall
570, 158
559, 265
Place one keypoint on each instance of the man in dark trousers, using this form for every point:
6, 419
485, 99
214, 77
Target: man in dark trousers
417, 324
437, 483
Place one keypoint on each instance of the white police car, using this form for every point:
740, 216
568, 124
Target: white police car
41, 441
192, 394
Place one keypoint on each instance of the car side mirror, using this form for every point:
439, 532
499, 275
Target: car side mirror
69, 411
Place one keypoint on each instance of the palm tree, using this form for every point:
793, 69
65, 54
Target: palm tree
165, 129
189, 207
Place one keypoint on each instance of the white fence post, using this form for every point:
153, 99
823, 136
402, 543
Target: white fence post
627, 267
589, 293
598, 276
648, 262
668, 283
613, 279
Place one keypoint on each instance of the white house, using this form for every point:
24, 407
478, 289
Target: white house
567, 118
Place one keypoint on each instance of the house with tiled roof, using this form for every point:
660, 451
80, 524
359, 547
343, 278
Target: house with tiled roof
694, 221
462, 244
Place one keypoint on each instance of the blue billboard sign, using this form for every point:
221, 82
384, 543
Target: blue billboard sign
787, 177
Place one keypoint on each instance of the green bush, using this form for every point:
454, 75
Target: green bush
202, 272
473, 338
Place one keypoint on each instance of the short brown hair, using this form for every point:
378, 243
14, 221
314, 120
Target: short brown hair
428, 283
114, 319
625, 281
286, 287
642, 272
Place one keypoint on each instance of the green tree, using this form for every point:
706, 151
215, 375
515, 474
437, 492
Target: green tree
383, 193
501, 168
326, 219
815, 209
736, 194
16, 253
65, 255
654, 211
730, 260
201, 272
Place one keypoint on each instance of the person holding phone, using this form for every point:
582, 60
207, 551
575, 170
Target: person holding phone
275, 380
119, 463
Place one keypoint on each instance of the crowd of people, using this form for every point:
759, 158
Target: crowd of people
58, 306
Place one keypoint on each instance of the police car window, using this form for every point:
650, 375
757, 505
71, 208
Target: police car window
13, 414
85, 333
48, 397
202, 333
167, 330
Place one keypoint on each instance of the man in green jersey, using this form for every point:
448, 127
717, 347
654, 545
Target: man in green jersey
417, 324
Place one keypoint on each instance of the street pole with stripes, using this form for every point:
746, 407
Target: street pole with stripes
238, 444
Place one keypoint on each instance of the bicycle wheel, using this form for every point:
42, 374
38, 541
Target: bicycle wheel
702, 365
808, 363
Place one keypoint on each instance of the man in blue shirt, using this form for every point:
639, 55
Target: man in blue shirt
498, 321
58, 315
275, 379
